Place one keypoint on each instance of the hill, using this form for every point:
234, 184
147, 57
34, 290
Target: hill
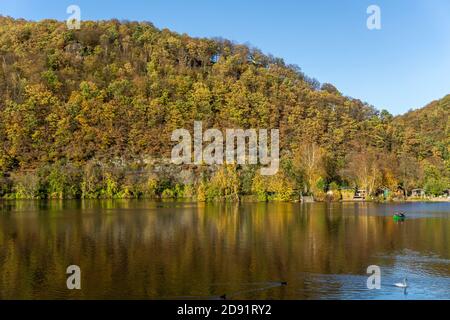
82, 109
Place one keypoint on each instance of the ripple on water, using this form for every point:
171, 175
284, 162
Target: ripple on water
427, 277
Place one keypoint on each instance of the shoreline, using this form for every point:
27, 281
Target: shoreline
189, 199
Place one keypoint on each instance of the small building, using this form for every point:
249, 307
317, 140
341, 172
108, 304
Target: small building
383, 192
417, 193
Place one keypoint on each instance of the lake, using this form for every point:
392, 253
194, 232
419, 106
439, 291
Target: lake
142, 249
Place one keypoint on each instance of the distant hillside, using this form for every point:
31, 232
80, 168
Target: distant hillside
429, 128
75, 103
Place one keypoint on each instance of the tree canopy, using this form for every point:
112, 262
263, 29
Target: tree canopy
113, 92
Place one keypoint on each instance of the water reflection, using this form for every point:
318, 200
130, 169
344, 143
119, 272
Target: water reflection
168, 250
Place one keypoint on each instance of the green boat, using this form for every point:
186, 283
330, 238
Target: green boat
399, 216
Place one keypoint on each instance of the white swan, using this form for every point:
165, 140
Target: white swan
402, 285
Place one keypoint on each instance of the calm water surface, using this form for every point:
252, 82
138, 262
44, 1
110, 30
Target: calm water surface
170, 250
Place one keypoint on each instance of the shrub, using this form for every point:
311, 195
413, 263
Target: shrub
92, 181
335, 192
112, 187
63, 182
150, 188
26, 185
5, 185
168, 194
280, 187
201, 192
224, 185
259, 188
347, 194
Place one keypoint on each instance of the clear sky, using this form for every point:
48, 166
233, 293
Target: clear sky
404, 65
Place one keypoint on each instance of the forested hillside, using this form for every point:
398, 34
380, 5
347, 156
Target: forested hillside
89, 112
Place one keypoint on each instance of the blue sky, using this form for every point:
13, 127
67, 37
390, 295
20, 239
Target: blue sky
404, 65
